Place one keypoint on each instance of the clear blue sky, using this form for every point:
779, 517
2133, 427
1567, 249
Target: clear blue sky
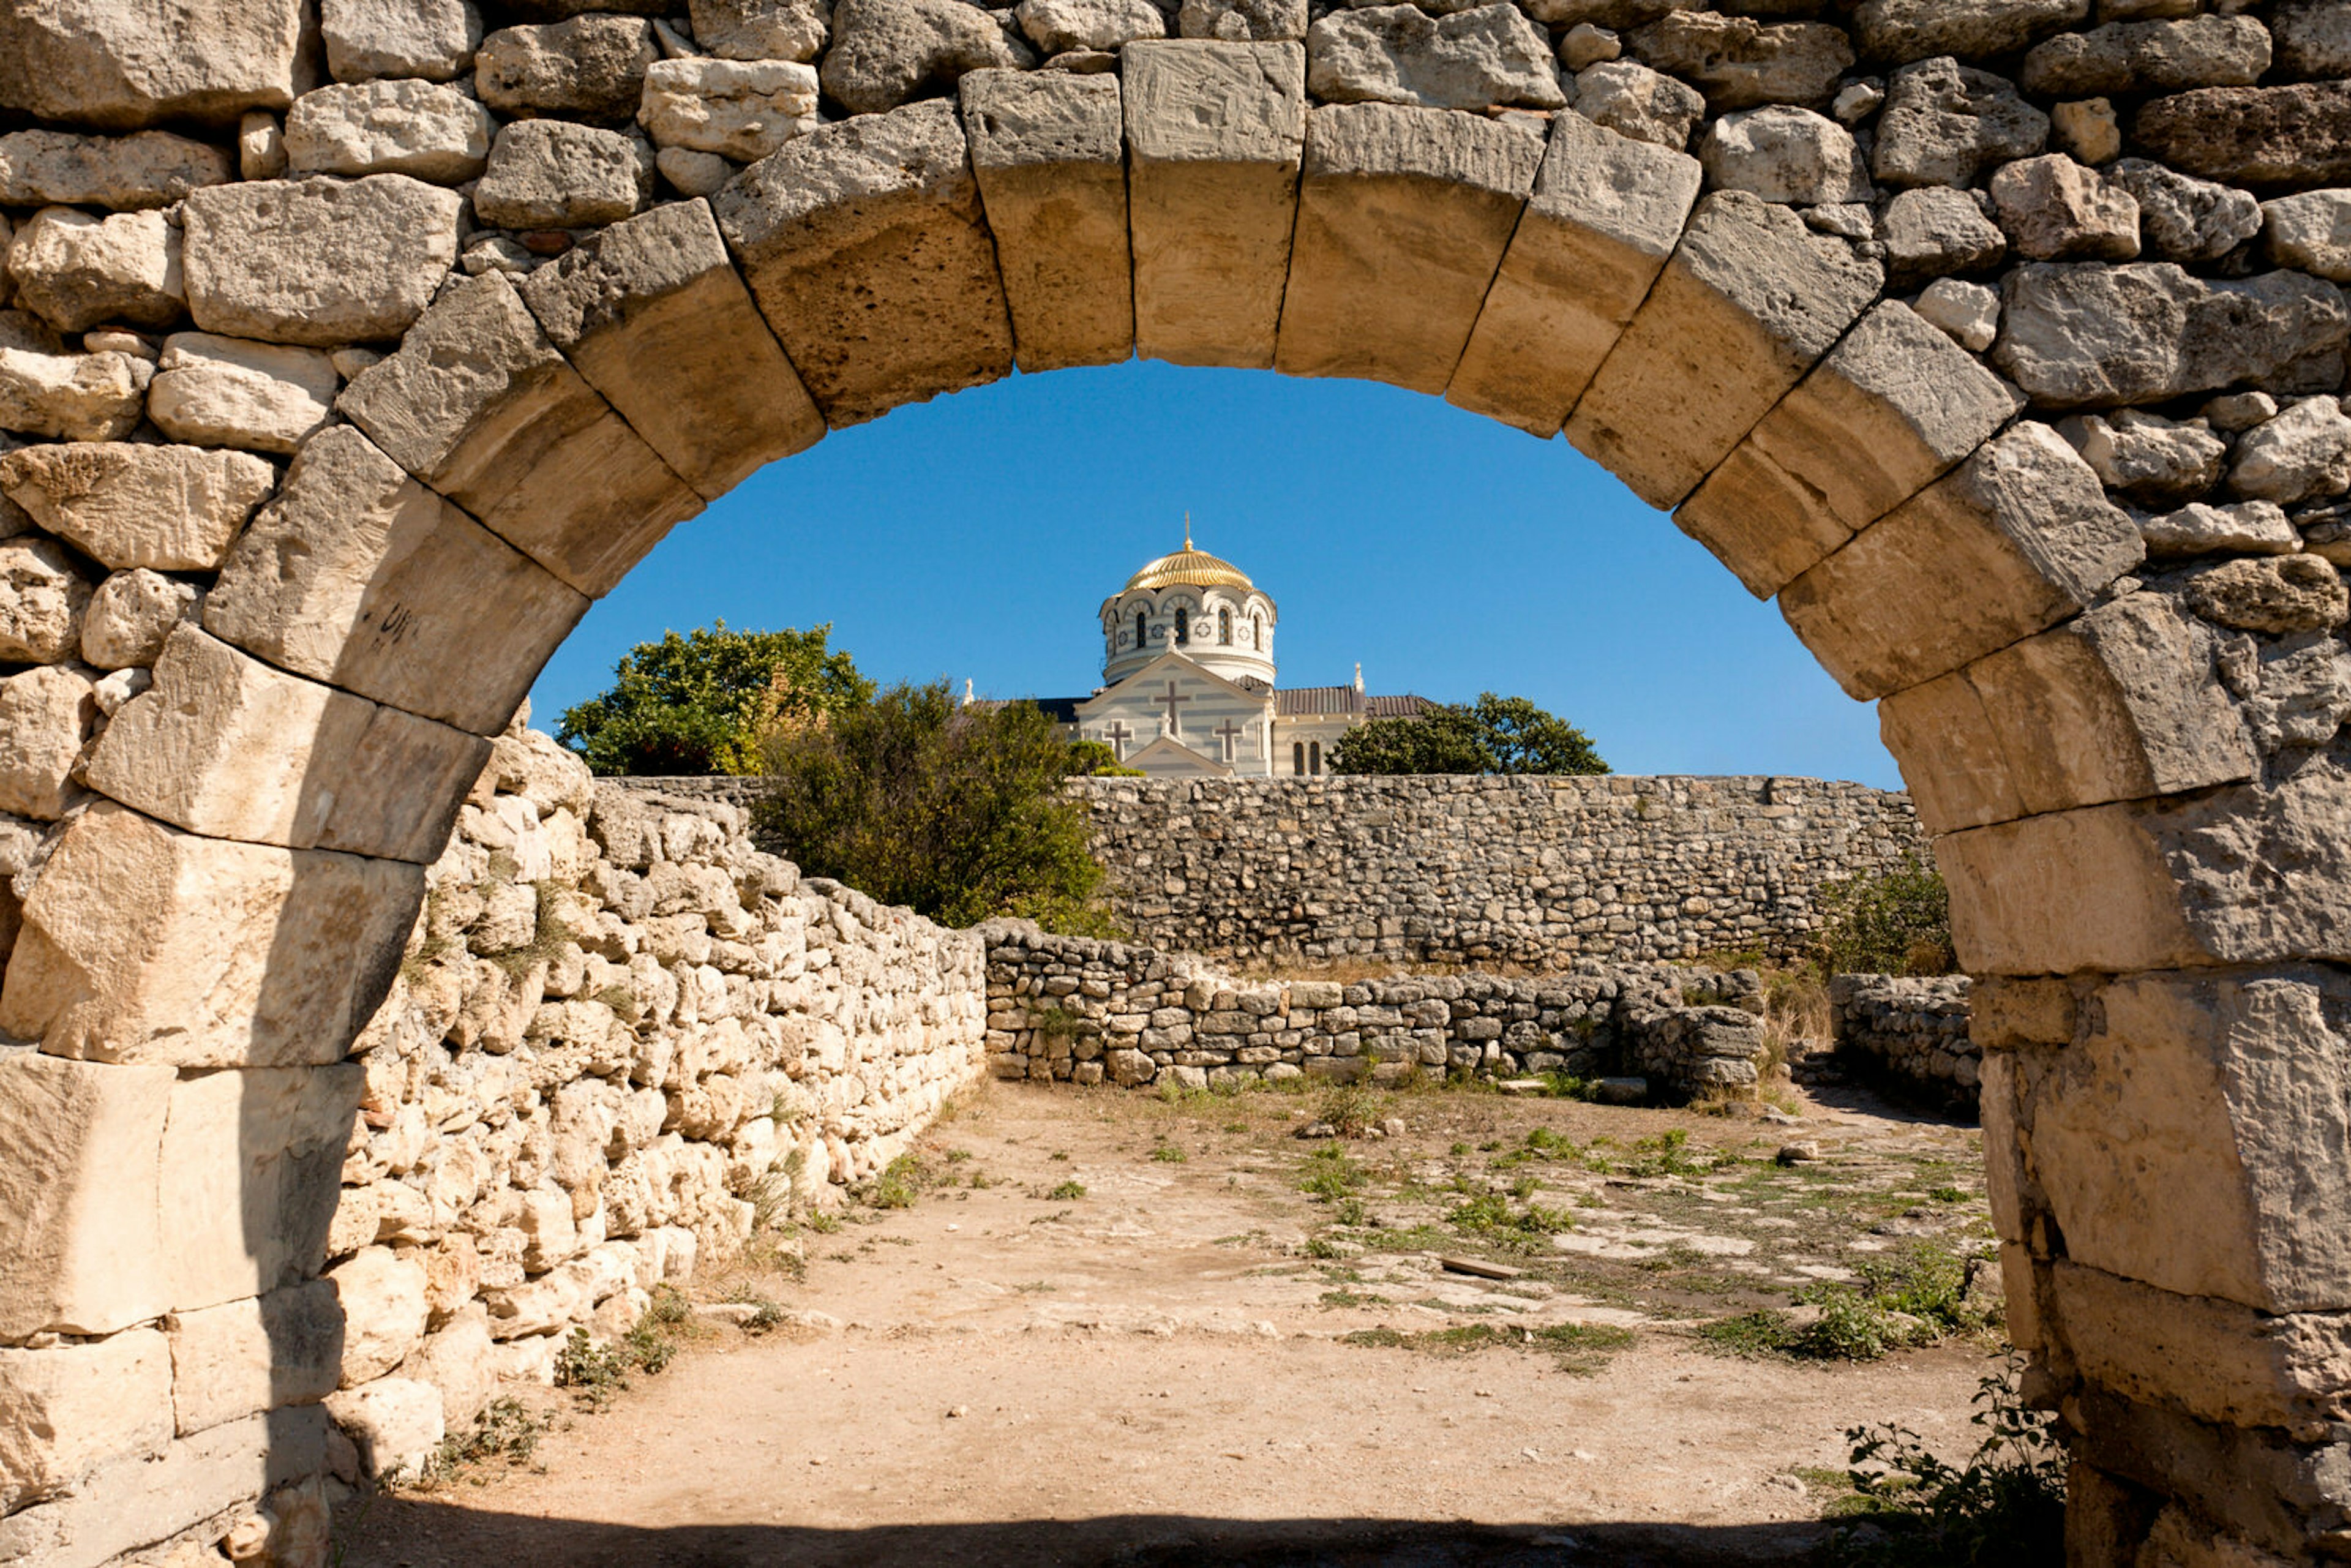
975, 536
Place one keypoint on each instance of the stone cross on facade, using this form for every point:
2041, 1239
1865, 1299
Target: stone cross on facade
1118, 734
1230, 733
1174, 728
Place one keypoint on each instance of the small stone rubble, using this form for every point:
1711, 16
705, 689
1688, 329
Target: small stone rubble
1912, 1031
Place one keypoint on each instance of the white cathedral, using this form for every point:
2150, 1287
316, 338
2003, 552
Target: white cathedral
1188, 689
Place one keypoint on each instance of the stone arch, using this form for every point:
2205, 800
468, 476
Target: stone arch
2125, 728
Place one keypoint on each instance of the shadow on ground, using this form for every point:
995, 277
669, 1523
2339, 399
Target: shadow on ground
406, 1532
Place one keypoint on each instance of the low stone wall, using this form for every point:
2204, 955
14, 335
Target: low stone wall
621, 1035
1912, 1031
1075, 1010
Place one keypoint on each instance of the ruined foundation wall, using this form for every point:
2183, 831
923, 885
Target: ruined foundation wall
1910, 1030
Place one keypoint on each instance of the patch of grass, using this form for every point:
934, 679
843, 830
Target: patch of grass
1668, 1154
1168, 1155
1321, 1247
901, 1182
1758, 1333
1579, 1347
1490, 1217
822, 1221
1350, 1109
1329, 1173
1068, 1191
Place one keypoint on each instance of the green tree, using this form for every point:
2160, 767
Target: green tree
701, 703
1897, 922
954, 811
1493, 735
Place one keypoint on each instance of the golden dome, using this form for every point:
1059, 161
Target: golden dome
1195, 567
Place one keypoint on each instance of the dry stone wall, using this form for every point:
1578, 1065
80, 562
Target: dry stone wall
1073, 1009
1912, 1031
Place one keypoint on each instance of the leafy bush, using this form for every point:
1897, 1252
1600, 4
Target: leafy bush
2004, 1508
1892, 922
955, 811
702, 703
1494, 735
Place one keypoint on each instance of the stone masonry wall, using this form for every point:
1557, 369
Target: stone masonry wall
1912, 1031
1069, 1009
620, 1034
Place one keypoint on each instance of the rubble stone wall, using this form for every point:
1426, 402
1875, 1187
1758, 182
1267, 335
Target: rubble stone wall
1073, 1009
1910, 1029
349, 348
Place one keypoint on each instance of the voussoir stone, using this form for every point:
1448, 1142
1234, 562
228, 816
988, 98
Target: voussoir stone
242, 1158
886, 51
591, 67
1933, 231
130, 615
1633, 100
1944, 123
431, 39
1738, 62
145, 169
117, 67
1900, 31
2287, 138
418, 127
1783, 153
228, 392
319, 261
77, 271
480, 405
2149, 56
865, 246
357, 575
42, 598
80, 1219
2311, 232
2053, 209
740, 110
124, 504
2182, 219
1751, 299
653, 315
236, 954
1049, 150
551, 173
1399, 54
762, 29
1605, 213
1057, 26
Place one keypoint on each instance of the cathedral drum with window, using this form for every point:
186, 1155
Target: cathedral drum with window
1187, 662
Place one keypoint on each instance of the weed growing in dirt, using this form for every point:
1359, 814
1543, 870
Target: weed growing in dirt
507, 1431
1917, 1297
1330, 1174
1168, 1155
1350, 1110
1491, 1218
1068, 1191
2005, 1505
902, 1182
1579, 1347
822, 1221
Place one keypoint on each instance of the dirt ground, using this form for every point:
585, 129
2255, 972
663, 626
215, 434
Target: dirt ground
1112, 1328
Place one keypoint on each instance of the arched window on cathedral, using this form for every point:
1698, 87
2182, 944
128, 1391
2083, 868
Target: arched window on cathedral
1298, 758
1314, 759
1141, 629
1256, 631
1183, 628
1224, 627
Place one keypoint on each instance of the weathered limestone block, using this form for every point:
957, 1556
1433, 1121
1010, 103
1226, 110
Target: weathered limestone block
479, 406
551, 173
2053, 209
2311, 231
80, 1198
1967, 312
318, 261
742, 110
2301, 455
653, 314
1049, 151
1399, 54
1739, 62
1945, 123
74, 1408
44, 390
689, 173
1933, 232
144, 944
2219, 1360
2248, 527
173, 509
382, 1297
2186, 219
260, 146
431, 39
2024, 522
243, 1357
2115, 705
590, 68
458, 1361
1605, 214
42, 599
116, 67
2087, 335
1910, 29
2148, 458
227, 391
2149, 56
226, 745
761, 30
130, 615
360, 576
1403, 216
397, 1423
79, 272
417, 127
887, 51
1891, 409
2294, 593
1785, 154
248, 1167
2312, 40
2293, 138
864, 245
1750, 301
1057, 26
145, 169
1633, 101
47, 714
1215, 133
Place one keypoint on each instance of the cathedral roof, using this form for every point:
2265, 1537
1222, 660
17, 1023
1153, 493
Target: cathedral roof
1195, 567
1301, 700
